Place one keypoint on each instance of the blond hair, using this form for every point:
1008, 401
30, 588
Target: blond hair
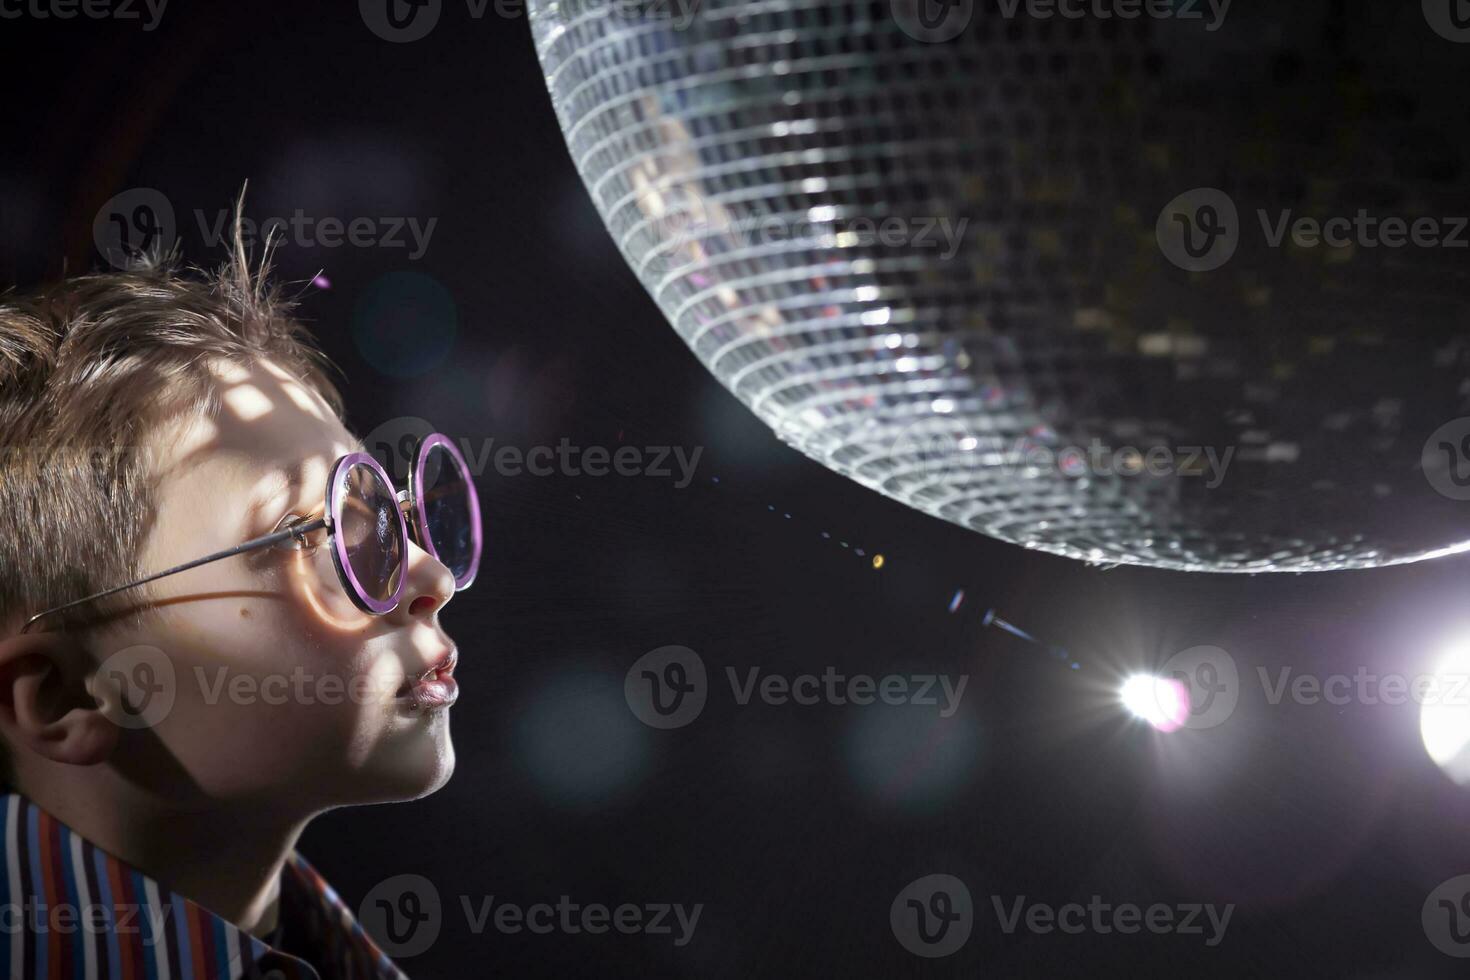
89, 368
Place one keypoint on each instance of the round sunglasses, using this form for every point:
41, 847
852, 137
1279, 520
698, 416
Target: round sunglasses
369, 524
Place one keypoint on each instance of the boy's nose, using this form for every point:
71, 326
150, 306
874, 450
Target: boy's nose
423, 605
429, 587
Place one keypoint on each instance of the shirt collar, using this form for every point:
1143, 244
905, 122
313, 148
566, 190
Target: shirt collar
68, 908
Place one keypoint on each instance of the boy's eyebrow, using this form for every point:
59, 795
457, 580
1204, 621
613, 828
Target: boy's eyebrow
278, 481
276, 484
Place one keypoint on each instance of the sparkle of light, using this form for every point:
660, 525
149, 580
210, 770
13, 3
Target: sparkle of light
1162, 703
1444, 718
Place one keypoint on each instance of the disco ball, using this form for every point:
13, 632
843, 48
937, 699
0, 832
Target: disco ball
1048, 271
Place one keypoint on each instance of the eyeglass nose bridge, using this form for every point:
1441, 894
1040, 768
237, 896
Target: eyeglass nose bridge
405, 501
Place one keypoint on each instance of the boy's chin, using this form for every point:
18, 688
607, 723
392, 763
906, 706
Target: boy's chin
409, 773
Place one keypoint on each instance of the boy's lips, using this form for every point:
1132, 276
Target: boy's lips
435, 687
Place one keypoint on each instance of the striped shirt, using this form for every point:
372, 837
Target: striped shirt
71, 911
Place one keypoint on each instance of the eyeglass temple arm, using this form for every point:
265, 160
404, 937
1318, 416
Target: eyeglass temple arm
275, 537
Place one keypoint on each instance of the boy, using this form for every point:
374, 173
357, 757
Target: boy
167, 743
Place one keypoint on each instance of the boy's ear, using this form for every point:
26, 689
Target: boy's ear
46, 706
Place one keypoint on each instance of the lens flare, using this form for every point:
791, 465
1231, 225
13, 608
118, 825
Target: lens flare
1444, 718
1163, 703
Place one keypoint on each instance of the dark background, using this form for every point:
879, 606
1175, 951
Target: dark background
794, 826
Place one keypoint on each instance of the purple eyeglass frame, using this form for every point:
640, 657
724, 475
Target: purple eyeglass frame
336, 497
336, 488
416, 477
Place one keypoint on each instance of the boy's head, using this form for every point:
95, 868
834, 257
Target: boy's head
148, 418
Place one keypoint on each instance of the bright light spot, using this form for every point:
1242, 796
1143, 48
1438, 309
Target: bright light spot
942, 405
1162, 703
246, 401
1444, 720
877, 561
